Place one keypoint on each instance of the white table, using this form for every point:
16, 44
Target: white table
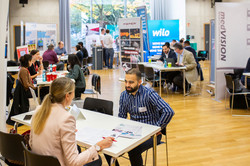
62, 58
41, 83
103, 121
13, 69
161, 68
246, 76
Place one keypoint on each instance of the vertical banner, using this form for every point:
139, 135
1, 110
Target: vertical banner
131, 42
142, 12
232, 41
161, 31
212, 51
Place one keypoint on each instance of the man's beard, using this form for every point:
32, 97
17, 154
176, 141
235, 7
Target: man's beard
132, 90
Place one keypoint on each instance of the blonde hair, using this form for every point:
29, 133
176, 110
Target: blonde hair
58, 90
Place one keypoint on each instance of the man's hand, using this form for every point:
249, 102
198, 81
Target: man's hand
63, 54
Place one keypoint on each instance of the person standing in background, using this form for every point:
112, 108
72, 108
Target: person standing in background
84, 50
103, 48
60, 50
108, 44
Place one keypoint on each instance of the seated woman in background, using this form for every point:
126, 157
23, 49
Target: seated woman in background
24, 74
76, 73
79, 53
247, 70
57, 137
36, 68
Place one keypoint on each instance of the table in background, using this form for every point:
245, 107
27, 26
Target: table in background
62, 58
13, 69
161, 68
246, 76
107, 122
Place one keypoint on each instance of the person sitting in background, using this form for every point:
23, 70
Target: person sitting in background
58, 137
189, 48
167, 53
247, 70
79, 53
51, 56
36, 68
60, 50
185, 58
24, 74
84, 50
172, 44
76, 74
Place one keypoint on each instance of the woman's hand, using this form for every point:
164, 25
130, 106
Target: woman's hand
105, 143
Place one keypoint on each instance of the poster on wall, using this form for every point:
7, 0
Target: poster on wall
91, 33
22, 50
40, 35
161, 31
131, 42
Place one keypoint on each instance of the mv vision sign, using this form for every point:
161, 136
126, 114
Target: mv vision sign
232, 35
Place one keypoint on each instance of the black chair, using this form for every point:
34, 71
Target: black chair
98, 105
141, 69
84, 62
90, 61
33, 159
45, 65
233, 87
11, 148
150, 75
202, 55
96, 85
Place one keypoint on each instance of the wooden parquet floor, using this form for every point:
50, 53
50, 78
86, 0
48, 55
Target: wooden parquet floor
202, 132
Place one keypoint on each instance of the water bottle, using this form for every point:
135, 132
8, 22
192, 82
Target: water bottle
50, 68
165, 63
44, 76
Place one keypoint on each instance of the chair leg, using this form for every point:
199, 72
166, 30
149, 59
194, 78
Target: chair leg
166, 140
146, 157
246, 100
232, 103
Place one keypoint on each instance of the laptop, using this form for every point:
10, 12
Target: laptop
171, 60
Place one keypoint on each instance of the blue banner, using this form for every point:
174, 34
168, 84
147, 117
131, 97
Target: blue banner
161, 31
142, 12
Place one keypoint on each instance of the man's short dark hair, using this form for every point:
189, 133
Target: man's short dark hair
178, 45
181, 41
107, 30
135, 71
59, 42
167, 44
187, 42
80, 43
50, 47
174, 40
102, 29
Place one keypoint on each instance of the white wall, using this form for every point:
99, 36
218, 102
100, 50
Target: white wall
198, 12
3, 15
38, 11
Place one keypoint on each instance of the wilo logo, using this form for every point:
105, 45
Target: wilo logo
161, 32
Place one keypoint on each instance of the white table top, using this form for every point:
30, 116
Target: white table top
13, 69
103, 121
41, 82
63, 58
246, 74
160, 67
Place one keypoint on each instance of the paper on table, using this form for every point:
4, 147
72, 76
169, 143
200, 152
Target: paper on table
128, 131
93, 135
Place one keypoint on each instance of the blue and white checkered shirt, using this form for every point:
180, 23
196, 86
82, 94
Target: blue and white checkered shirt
146, 107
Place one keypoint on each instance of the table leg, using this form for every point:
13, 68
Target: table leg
155, 150
112, 161
246, 81
38, 94
184, 85
160, 83
16, 126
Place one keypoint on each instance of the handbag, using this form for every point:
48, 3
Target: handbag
233, 79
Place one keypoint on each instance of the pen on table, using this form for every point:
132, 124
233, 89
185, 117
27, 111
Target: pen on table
113, 139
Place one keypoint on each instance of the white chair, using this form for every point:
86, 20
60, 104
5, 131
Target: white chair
34, 96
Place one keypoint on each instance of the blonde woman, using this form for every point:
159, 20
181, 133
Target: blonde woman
53, 128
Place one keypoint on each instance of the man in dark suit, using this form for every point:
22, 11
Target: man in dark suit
167, 53
189, 48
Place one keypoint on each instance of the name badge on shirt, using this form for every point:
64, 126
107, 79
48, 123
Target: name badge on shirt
142, 109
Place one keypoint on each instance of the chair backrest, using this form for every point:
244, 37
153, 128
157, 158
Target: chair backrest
11, 147
233, 83
149, 73
34, 96
45, 64
84, 62
32, 159
89, 60
96, 83
202, 54
238, 72
141, 68
98, 105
